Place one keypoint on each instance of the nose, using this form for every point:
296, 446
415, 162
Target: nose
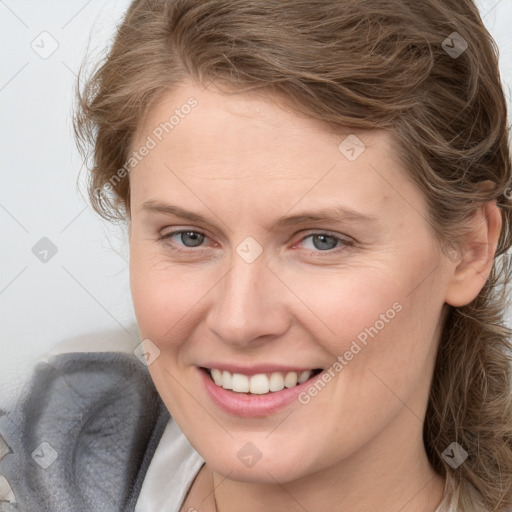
249, 305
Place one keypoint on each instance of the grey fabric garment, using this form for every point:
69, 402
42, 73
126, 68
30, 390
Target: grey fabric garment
82, 435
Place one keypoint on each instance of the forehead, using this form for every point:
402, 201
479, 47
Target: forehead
243, 126
250, 145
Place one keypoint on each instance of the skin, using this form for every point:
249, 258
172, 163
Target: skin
243, 160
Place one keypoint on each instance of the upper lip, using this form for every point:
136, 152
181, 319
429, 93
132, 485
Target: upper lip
257, 368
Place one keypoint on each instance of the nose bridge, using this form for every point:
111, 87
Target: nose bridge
246, 304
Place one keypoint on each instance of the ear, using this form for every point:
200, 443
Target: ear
476, 257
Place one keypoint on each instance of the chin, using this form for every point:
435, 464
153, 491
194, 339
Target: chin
236, 462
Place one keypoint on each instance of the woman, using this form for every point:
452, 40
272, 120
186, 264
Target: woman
317, 199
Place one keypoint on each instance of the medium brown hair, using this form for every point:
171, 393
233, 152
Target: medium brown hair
361, 64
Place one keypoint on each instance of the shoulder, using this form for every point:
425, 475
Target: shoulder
79, 433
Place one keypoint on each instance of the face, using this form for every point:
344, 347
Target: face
264, 245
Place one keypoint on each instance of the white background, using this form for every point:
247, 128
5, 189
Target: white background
84, 288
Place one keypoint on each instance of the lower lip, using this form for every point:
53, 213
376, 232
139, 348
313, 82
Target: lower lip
249, 405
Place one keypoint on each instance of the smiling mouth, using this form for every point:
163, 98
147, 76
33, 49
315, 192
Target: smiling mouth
261, 383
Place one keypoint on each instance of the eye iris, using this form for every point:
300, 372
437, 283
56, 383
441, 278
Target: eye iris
323, 239
196, 238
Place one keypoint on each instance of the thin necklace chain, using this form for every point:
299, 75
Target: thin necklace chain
214, 498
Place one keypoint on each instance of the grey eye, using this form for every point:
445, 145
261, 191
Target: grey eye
323, 242
191, 238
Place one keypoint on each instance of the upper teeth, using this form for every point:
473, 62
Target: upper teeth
260, 383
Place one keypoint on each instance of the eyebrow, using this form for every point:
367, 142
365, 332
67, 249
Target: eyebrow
332, 214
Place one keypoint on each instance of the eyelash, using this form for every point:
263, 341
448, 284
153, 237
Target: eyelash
344, 244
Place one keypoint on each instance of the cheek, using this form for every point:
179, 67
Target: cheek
166, 297
152, 293
338, 306
379, 326
388, 357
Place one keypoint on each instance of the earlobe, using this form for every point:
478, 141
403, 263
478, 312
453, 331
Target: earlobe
476, 257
